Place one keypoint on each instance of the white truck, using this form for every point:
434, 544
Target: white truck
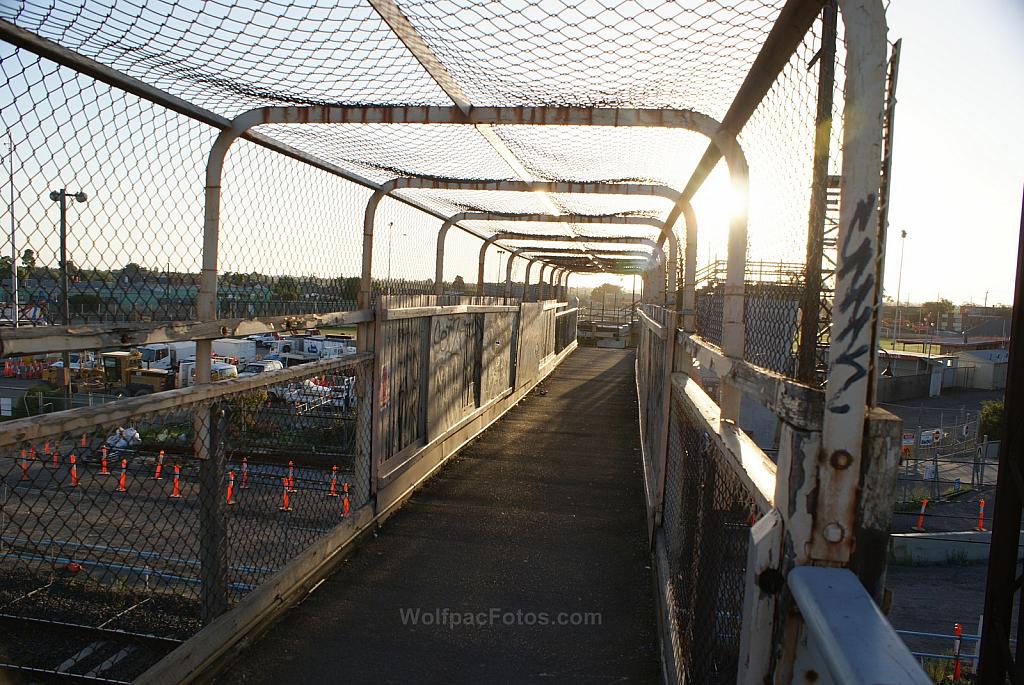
241, 350
262, 366
166, 355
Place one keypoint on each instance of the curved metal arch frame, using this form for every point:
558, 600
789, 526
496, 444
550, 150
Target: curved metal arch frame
611, 219
629, 189
540, 116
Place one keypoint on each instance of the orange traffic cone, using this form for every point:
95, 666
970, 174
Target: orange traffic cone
83, 439
159, 465
344, 502
103, 462
245, 474
46, 447
334, 479
230, 497
981, 517
284, 496
291, 477
919, 528
74, 472
121, 481
175, 494
24, 468
32, 453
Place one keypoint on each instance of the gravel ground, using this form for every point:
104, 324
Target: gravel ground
931, 599
64, 597
960, 513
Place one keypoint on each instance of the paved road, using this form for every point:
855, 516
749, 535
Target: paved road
542, 517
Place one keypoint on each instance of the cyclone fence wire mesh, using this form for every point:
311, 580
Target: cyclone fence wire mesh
707, 517
256, 478
152, 523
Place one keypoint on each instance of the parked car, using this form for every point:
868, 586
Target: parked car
262, 366
264, 338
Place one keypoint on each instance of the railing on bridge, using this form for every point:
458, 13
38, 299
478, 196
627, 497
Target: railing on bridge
218, 505
724, 518
269, 241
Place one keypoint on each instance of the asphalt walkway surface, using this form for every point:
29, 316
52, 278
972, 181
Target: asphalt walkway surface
524, 560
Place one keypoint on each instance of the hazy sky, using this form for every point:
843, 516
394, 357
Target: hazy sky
958, 162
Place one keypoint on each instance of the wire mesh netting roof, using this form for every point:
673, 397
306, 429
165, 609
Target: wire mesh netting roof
225, 57
231, 56
228, 57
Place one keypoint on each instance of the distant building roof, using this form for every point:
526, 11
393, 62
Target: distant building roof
993, 328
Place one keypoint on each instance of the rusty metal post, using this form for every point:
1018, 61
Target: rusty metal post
851, 357
212, 422
689, 290
810, 304
1003, 581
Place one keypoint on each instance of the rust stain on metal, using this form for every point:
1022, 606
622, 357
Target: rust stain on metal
841, 459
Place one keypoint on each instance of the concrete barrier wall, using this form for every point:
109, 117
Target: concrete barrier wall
897, 388
908, 549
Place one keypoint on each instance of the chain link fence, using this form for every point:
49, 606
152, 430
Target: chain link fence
945, 460
154, 522
707, 518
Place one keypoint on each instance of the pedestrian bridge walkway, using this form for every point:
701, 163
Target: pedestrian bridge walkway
428, 179
539, 520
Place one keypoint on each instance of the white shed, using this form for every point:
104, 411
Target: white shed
990, 367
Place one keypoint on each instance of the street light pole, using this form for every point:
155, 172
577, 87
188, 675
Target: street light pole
497, 275
899, 288
391, 237
62, 196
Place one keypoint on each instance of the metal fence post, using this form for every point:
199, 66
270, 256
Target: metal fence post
442, 234
211, 430
733, 315
480, 273
668, 351
852, 362
1003, 582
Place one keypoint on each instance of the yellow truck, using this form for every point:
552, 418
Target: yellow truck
123, 370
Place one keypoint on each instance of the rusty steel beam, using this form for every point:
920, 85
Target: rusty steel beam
559, 187
794, 21
685, 119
